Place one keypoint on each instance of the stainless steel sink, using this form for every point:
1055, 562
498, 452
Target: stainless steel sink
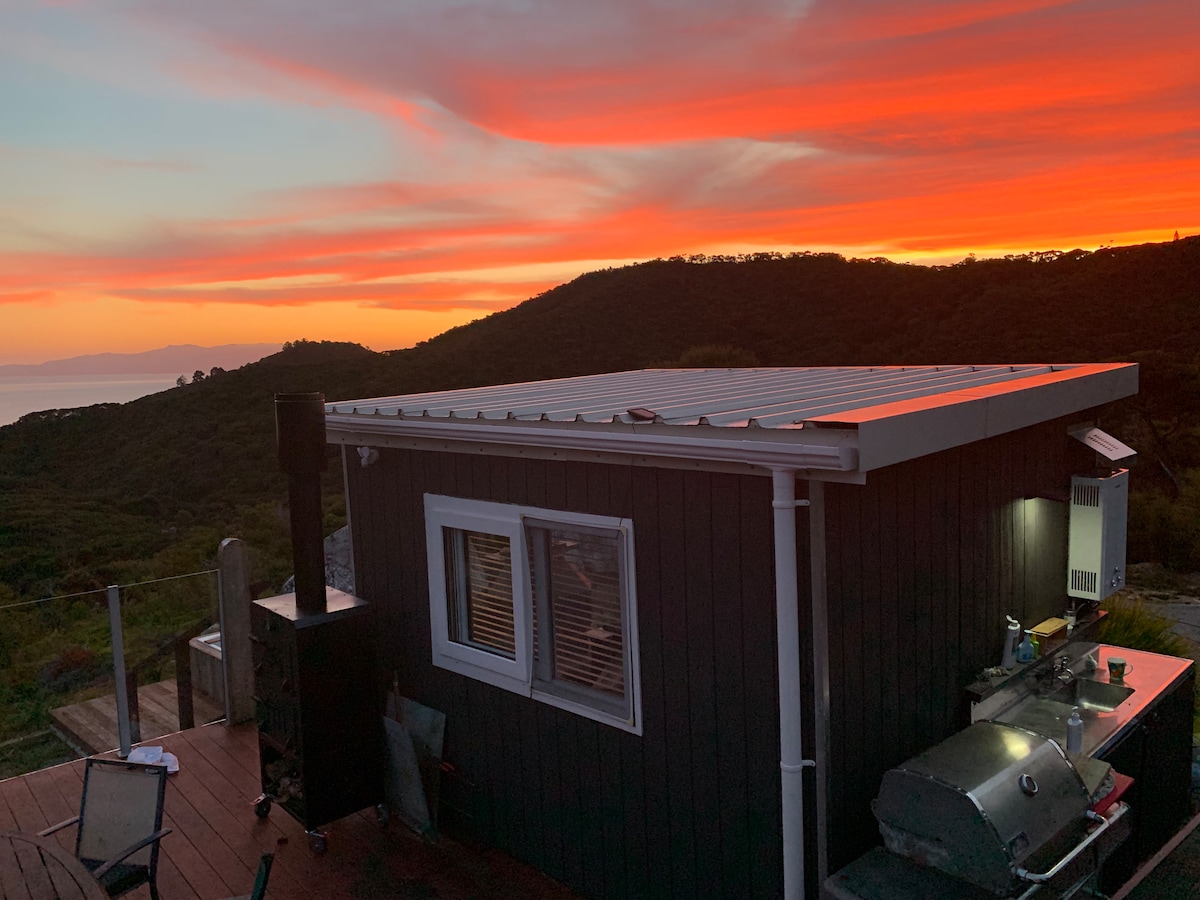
1047, 714
1032, 701
1100, 696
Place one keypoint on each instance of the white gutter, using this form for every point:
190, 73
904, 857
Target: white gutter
829, 449
787, 613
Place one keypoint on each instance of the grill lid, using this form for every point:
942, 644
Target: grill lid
980, 802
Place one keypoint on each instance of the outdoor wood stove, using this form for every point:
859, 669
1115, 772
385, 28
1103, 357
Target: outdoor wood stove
993, 811
320, 737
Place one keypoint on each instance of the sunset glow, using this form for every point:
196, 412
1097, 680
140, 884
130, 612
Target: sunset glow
379, 171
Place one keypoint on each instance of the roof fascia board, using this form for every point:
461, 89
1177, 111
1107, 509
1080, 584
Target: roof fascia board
830, 450
897, 432
517, 451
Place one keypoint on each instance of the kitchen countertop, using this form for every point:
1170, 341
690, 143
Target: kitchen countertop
1036, 708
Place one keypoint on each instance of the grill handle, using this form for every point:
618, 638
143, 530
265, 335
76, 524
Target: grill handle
1041, 877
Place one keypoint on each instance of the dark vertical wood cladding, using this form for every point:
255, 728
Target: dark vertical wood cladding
691, 807
924, 561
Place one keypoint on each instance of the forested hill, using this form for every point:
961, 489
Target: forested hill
114, 492
824, 310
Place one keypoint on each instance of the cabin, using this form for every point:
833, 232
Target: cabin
680, 622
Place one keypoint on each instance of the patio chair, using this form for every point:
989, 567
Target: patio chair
260, 881
120, 824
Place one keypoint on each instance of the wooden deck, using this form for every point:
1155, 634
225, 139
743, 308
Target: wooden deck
214, 849
91, 727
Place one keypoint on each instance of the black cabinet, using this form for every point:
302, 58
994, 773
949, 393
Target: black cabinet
1157, 754
316, 698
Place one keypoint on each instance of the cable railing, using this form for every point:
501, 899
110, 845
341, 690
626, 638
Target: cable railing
160, 619
94, 670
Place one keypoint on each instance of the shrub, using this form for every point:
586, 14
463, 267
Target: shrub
1130, 623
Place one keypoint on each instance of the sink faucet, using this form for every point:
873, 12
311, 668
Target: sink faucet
1060, 670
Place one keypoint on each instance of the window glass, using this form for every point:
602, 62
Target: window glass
577, 602
479, 590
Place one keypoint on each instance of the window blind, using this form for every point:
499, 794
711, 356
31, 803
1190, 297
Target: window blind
580, 590
479, 591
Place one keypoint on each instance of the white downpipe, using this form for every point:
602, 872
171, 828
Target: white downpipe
787, 613
820, 652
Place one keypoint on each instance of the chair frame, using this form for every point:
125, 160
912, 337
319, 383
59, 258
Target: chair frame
260, 879
152, 840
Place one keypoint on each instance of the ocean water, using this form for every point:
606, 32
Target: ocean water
21, 394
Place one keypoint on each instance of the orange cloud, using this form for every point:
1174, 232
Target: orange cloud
846, 202
419, 296
25, 297
549, 132
621, 72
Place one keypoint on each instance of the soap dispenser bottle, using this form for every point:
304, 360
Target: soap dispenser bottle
1012, 637
1025, 648
1075, 732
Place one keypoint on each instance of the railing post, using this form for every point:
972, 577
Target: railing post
118, 653
233, 581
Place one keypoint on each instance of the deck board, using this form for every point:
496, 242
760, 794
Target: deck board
91, 726
216, 841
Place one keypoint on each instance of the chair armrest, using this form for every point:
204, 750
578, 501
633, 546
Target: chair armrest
103, 868
59, 827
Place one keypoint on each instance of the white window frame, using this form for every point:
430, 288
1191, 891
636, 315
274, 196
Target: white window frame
450, 512
517, 675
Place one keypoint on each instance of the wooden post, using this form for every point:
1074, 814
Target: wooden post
183, 683
236, 655
134, 714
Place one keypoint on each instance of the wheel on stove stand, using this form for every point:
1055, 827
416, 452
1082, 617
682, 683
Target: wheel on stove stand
382, 814
317, 842
262, 806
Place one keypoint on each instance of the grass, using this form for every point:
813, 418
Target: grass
60, 652
32, 752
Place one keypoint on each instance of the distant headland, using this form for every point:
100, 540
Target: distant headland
175, 358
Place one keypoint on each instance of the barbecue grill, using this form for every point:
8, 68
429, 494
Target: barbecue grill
995, 809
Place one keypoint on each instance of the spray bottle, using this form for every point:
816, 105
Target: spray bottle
1012, 637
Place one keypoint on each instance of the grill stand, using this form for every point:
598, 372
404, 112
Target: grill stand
880, 874
319, 729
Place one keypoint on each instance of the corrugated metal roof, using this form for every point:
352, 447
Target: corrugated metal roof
959, 403
767, 398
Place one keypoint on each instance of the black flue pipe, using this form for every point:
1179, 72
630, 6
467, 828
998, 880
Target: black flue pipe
300, 439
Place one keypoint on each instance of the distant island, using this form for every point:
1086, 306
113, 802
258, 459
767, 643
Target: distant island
185, 358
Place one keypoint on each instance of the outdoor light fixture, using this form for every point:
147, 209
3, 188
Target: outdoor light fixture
1116, 453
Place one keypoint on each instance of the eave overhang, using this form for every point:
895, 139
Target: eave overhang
830, 450
841, 445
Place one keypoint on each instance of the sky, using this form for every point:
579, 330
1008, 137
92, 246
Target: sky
176, 171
